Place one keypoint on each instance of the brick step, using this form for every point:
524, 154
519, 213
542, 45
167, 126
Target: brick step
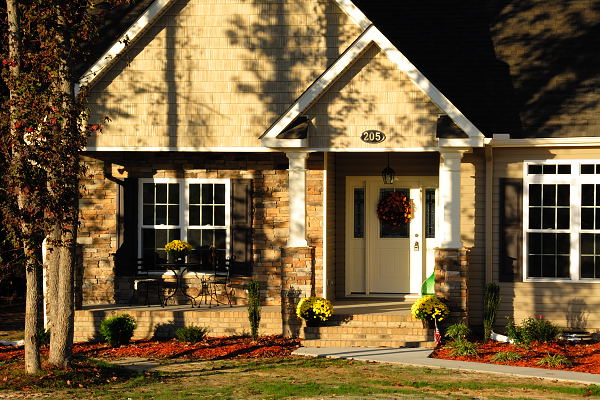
366, 330
339, 317
367, 343
379, 321
365, 336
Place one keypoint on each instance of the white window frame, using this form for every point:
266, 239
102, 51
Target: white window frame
575, 179
184, 208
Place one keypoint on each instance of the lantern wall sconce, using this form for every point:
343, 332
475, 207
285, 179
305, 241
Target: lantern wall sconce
387, 173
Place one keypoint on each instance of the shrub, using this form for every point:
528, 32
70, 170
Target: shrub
506, 356
532, 329
457, 332
253, 289
490, 308
462, 348
555, 360
117, 330
314, 309
429, 307
43, 337
192, 334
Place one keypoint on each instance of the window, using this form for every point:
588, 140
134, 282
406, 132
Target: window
561, 206
194, 210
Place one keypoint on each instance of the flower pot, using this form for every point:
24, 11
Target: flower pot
313, 322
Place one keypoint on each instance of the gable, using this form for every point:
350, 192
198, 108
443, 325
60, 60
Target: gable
216, 75
373, 94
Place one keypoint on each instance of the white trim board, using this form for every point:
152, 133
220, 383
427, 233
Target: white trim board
326, 80
261, 149
144, 21
581, 141
355, 14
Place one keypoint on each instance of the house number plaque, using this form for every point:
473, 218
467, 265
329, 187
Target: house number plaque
372, 136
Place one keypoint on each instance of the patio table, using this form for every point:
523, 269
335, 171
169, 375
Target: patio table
179, 271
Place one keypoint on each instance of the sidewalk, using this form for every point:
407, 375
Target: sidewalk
419, 357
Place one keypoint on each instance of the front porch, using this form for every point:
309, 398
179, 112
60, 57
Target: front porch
355, 323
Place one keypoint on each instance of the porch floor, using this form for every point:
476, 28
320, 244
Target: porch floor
345, 307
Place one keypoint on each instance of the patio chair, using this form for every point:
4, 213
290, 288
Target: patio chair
143, 282
220, 282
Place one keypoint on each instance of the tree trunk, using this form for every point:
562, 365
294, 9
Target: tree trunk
33, 320
52, 265
61, 336
33, 270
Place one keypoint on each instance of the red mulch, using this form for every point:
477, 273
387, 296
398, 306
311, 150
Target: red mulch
214, 348
584, 356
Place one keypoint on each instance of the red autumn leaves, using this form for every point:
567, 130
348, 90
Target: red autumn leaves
395, 209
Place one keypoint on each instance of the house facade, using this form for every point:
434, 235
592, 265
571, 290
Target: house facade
261, 128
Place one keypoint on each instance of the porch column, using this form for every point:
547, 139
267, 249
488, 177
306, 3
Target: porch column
451, 260
297, 196
449, 189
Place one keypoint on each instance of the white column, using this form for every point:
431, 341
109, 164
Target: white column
297, 195
449, 190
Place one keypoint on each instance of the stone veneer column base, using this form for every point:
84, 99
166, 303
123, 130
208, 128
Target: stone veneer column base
451, 274
297, 282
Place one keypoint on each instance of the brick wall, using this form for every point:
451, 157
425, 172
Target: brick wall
270, 203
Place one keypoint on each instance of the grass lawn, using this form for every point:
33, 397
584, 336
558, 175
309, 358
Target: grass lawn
304, 378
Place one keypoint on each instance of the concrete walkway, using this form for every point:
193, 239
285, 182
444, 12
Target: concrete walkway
420, 357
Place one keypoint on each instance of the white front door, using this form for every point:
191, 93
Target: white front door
381, 259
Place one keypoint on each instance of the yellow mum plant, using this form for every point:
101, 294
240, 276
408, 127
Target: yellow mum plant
429, 307
314, 309
178, 247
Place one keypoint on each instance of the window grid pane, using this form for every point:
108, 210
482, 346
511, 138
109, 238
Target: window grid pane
549, 206
590, 256
387, 231
359, 213
429, 213
160, 204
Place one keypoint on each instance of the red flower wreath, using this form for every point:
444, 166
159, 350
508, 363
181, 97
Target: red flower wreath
395, 209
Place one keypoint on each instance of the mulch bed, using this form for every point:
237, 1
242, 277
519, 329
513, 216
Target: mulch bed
214, 348
585, 357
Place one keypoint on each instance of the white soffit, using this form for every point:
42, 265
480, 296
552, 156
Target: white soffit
144, 21
320, 86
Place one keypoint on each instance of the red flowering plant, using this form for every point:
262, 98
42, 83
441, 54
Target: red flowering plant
395, 209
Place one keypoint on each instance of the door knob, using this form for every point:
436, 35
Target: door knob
416, 246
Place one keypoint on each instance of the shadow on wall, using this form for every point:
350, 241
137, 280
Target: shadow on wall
577, 314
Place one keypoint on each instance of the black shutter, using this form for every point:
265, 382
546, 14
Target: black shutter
126, 255
241, 226
511, 229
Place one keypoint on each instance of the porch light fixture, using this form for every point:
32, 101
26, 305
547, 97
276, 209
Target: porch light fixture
388, 174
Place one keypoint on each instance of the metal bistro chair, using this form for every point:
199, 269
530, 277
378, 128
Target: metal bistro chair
220, 281
143, 278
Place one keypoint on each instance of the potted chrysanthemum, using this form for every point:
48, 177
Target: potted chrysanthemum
430, 309
314, 310
177, 250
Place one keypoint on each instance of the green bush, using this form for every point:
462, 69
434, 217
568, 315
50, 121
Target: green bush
458, 332
506, 356
192, 334
43, 337
532, 329
462, 348
490, 308
555, 360
253, 289
117, 330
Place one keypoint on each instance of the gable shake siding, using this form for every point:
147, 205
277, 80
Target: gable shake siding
373, 94
216, 73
